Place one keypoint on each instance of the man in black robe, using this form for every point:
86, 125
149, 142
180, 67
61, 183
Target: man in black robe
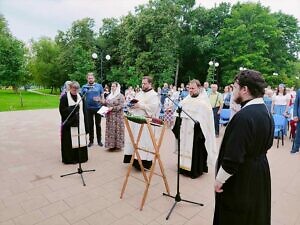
73, 146
243, 183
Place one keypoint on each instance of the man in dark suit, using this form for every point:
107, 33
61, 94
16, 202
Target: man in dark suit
296, 113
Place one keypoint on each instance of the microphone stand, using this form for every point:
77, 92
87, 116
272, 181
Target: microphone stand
79, 169
177, 197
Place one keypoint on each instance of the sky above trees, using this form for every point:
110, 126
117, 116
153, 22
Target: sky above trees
167, 39
35, 18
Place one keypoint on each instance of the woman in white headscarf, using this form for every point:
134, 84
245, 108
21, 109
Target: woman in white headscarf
114, 132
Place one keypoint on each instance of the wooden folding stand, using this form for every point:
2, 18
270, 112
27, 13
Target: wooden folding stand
155, 152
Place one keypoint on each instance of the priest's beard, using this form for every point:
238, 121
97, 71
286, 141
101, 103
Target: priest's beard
238, 99
195, 95
146, 89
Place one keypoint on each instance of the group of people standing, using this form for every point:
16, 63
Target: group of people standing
286, 102
88, 103
242, 183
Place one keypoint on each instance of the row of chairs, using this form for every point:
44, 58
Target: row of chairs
279, 123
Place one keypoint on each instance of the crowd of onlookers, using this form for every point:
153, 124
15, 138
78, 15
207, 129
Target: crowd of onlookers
279, 100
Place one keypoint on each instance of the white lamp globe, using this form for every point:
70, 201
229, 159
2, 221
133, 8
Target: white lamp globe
94, 55
216, 64
107, 57
211, 63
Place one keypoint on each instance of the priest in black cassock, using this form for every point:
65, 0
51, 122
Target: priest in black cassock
243, 182
73, 130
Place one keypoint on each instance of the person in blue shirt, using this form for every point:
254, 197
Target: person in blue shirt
184, 91
93, 93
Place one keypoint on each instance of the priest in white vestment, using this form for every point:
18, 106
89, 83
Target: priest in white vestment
197, 105
147, 105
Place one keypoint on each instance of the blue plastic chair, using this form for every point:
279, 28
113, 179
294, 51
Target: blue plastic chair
224, 116
279, 123
289, 116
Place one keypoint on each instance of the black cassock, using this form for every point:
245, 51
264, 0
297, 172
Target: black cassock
246, 196
70, 155
199, 155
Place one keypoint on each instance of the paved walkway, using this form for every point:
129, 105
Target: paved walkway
32, 191
36, 91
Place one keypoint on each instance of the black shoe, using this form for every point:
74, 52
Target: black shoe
90, 144
146, 164
127, 158
294, 151
100, 144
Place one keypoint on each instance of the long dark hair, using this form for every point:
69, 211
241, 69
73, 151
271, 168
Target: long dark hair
284, 90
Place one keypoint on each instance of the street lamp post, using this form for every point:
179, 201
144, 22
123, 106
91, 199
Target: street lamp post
107, 57
214, 65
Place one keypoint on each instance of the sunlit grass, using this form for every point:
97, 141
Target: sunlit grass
24, 100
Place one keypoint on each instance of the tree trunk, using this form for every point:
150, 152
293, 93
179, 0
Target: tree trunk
21, 99
177, 72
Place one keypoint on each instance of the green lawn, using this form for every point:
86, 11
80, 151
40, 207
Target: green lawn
11, 101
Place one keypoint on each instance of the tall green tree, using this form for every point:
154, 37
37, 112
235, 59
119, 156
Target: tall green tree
107, 44
200, 41
12, 60
44, 64
147, 44
251, 37
285, 53
77, 45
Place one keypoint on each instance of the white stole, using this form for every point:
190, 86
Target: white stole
199, 109
74, 130
150, 104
